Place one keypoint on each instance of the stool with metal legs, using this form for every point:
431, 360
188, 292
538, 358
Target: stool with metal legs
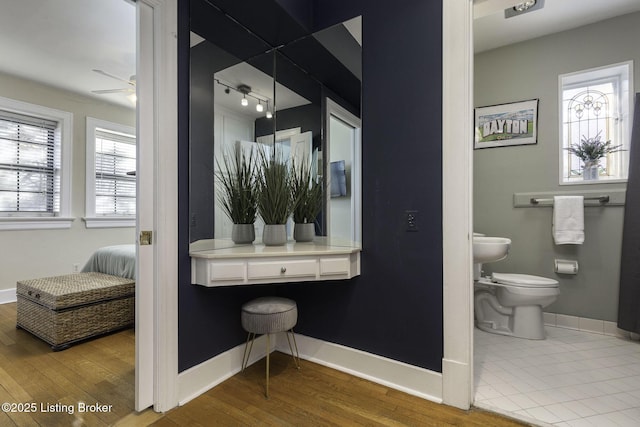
269, 315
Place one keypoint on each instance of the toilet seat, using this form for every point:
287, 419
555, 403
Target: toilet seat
523, 280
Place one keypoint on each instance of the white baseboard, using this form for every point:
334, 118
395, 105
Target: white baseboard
603, 327
200, 378
7, 295
457, 384
391, 373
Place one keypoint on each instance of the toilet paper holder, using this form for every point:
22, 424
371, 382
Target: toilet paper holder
566, 266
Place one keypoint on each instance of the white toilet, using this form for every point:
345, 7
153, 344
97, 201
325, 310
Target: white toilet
511, 304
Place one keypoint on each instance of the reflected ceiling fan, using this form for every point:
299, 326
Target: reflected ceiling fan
129, 90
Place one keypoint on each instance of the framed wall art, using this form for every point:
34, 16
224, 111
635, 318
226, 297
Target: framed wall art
515, 123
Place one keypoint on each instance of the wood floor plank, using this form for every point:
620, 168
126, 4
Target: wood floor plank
5, 420
15, 390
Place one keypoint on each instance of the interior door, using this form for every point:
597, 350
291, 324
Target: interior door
144, 367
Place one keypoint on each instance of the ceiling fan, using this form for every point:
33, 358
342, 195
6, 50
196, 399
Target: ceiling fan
130, 90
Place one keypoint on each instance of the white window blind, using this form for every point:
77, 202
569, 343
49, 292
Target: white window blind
115, 163
29, 165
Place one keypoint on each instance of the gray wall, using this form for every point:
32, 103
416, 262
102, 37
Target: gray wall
530, 70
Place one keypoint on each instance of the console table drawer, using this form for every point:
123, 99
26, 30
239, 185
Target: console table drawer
335, 266
280, 269
224, 271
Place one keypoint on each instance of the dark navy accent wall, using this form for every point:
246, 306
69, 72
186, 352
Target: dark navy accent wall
394, 309
301, 10
306, 117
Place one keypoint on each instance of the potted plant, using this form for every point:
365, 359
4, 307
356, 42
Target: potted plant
590, 151
307, 201
238, 195
274, 198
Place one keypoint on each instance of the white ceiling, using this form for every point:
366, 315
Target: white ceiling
492, 30
59, 42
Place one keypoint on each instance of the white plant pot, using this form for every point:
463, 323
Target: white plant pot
590, 170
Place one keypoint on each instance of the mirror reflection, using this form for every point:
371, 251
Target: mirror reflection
343, 151
252, 100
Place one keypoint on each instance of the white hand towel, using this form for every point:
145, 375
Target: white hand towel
568, 220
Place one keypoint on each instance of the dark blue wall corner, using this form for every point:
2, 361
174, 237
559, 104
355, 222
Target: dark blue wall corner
394, 309
301, 10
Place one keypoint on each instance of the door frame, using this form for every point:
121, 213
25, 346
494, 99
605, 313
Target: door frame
157, 170
457, 201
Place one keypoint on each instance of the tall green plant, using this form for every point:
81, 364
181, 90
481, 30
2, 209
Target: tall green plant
238, 185
306, 192
274, 201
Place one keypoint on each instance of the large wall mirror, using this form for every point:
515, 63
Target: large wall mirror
280, 90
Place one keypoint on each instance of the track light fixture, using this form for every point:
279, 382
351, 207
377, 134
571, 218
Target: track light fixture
244, 90
268, 114
247, 93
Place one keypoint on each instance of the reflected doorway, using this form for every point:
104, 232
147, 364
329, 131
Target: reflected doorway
344, 172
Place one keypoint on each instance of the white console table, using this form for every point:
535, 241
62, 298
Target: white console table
218, 262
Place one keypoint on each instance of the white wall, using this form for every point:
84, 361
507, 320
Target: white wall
36, 253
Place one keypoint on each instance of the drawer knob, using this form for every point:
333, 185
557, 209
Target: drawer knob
283, 270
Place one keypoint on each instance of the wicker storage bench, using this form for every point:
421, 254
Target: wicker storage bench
63, 310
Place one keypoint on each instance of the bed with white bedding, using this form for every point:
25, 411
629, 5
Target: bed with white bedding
118, 260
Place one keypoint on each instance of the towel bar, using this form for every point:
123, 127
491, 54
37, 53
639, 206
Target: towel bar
600, 199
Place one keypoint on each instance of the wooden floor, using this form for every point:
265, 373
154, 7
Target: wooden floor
102, 371
97, 371
316, 396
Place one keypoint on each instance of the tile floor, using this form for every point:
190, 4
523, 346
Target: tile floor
573, 378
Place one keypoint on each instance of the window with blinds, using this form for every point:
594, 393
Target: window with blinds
115, 165
29, 165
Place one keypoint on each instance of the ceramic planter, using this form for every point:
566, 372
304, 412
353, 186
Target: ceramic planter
274, 234
243, 233
304, 232
590, 171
